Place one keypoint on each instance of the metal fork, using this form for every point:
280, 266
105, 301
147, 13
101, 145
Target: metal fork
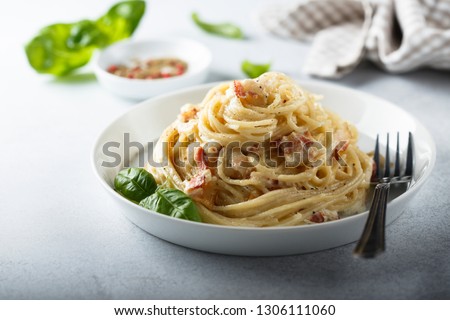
372, 241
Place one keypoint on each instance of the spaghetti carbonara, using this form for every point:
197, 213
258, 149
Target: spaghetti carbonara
263, 152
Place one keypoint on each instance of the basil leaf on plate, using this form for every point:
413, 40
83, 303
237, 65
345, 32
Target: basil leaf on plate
254, 70
135, 184
61, 48
226, 30
172, 202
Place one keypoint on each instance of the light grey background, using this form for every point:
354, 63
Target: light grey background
62, 237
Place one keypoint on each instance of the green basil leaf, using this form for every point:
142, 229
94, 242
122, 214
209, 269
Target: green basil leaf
172, 202
226, 30
121, 20
135, 184
254, 70
60, 48
51, 52
84, 34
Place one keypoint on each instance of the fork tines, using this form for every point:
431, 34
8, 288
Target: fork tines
397, 176
372, 240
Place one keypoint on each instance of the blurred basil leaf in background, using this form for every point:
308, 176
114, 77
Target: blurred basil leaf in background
226, 30
61, 48
254, 70
121, 20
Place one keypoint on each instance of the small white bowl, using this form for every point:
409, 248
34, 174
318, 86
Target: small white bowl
196, 55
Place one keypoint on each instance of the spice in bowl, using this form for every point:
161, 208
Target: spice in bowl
150, 69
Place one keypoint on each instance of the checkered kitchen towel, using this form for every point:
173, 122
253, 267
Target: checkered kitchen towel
399, 35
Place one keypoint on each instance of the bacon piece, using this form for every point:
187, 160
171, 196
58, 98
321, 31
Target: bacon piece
295, 142
238, 89
250, 93
305, 137
211, 156
196, 182
340, 147
199, 158
323, 216
342, 138
374, 170
203, 175
317, 217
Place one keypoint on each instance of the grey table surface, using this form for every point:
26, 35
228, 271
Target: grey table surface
62, 237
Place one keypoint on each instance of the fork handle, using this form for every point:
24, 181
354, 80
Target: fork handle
372, 241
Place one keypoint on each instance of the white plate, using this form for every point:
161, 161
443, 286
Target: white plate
370, 114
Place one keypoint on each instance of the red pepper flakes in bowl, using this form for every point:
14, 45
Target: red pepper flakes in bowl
150, 69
